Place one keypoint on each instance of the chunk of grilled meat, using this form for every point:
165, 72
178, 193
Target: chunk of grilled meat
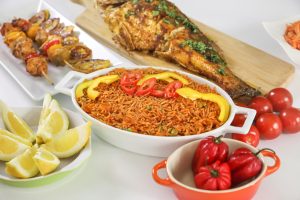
22, 48
160, 28
8, 27
37, 66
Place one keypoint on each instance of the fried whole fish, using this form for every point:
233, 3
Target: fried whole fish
159, 28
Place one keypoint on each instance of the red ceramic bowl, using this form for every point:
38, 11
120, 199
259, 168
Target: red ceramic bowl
181, 179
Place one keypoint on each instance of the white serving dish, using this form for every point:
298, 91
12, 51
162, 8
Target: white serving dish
276, 30
160, 146
37, 87
31, 115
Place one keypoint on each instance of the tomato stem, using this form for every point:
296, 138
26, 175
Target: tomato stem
268, 149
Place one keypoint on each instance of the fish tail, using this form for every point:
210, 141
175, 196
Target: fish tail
242, 90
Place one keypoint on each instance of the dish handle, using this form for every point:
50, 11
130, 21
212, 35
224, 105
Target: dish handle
65, 86
250, 115
275, 166
157, 178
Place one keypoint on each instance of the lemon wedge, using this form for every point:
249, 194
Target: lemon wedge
16, 137
10, 148
45, 161
44, 113
22, 166
16, 124
45, 110
53, 121
71, 142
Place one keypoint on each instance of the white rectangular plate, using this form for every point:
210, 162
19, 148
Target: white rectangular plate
37, 87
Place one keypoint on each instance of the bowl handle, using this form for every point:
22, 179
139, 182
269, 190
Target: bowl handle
156, 177
250, 115
275, 167
64, 86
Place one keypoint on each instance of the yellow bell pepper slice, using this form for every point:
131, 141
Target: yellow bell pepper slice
33, 30
79, 89
164, 76
53, 47
169, 80
221, 101
92, 93
12, 36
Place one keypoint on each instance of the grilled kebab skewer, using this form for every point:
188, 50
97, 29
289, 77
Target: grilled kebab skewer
61, 44
22, 48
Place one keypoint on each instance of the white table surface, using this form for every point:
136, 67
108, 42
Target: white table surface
112, 173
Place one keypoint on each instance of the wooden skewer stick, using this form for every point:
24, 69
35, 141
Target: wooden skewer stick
47, 78
68, 64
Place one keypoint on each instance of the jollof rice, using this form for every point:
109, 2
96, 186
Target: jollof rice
151, 115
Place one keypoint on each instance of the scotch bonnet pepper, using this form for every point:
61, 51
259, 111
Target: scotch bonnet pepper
209, 150
244, 164
213, 177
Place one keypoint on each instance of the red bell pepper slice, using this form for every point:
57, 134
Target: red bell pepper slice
158, 93
129, 89
213, 177
30, 56
146, 88
23, 24
170, 90
130, 78
49, 44
209, 150
129, 81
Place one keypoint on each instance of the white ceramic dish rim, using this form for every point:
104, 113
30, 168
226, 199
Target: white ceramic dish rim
253, 182
225, 128
83, 155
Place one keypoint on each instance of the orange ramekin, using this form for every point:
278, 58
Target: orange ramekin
181, 179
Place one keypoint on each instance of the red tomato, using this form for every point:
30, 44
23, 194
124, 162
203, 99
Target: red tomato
170, 90
280, 98
290, 118
269, 125
252, 137
240, 104
238, 120
130, 78
261, 105
146, 88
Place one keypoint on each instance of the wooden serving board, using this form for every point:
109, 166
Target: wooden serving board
257, 68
